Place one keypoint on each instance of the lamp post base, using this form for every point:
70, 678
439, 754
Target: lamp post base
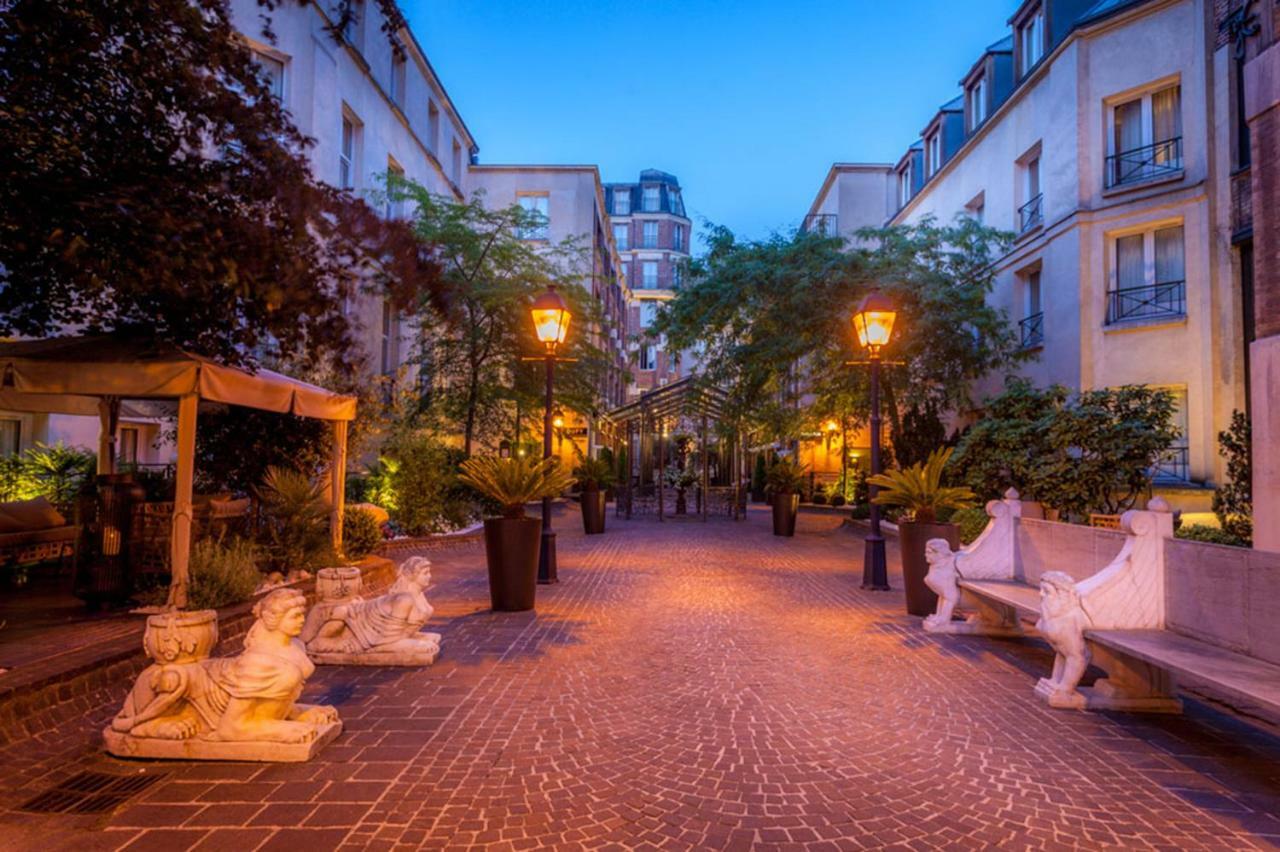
547, 558
875, 571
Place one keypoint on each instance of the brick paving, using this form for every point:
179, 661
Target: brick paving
692, 686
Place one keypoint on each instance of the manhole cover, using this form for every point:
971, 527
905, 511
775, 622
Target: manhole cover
90, 793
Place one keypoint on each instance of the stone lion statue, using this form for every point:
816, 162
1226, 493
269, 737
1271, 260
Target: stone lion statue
1062, 623
943, 580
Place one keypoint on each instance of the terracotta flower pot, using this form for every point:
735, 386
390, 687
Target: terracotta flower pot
785, 507
593, 510
511, 549
912, 537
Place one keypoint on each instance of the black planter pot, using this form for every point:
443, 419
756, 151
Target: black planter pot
593, 511
511, 549
912, 538
785, 507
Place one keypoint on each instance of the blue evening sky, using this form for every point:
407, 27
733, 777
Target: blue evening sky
747, 102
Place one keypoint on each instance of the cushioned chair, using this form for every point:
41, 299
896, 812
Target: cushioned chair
33, 531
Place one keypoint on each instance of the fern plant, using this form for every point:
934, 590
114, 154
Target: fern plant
787, 477
513, 482
919, 490
297, 518
594, 474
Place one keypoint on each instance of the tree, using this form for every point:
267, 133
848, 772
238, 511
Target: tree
472, 352
1233, 500
150, 184
774, 316
1006, 448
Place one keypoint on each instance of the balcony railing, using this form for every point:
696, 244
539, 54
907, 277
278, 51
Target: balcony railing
1151, 302
1031, 214
1032, 329
1173, 466
1162, 159
820, 223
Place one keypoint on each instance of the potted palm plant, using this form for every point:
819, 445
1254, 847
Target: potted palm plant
511, 539
786, 481
594, 477
919, 491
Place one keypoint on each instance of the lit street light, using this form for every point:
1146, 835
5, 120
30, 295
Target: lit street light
873, 322
551, 323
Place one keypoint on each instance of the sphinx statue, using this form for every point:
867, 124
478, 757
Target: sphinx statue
1062, 623
942, 580
346, 629
189, 706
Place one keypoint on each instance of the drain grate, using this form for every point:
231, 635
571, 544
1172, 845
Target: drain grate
90, 793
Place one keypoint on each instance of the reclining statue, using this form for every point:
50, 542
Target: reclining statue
189, 706
346, 629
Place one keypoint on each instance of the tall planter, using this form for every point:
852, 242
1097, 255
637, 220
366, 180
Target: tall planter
511, 550
785, 507
912, 538
593, 510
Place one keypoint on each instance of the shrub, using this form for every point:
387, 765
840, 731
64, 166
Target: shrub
223, 572
819, 497
417, 482
1233, 500
296, 527
787, 477
1211, 535
516, 481
361, 532
860, 512
919, 490
972, 521
56, 472
593, 474
837, 500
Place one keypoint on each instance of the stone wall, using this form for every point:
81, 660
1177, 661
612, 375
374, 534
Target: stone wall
1228, 596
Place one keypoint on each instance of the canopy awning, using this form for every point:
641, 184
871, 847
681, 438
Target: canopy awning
69, 375
688, 396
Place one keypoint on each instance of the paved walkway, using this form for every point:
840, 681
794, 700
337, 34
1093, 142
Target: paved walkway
691, 685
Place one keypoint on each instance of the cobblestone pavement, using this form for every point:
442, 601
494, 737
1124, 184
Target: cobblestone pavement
693, 686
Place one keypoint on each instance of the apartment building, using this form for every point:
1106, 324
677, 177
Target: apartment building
1099, 132
653, 235
571, 200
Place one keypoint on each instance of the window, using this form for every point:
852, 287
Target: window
677, 237
1031, 213
1146, 138
622, 202
622, 236
904, 185
390, 335
397, 76
677, 275
10, 437
1174, 465
347, 156
1030, 41
673, 197
456, 162
977, 208
1148, 290
1031, 326
433, 125
650, 200
394, 207
649, 357
649, 270
933, 154
648, 312
977, 103
539, 227
272, 70
127, 452
649, 235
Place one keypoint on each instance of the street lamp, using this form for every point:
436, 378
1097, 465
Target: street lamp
551, 318
557, 419
873, 322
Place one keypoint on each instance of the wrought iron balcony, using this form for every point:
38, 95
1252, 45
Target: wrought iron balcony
1031, 214
1162, 159
820, 223
1173, 466
1168, 299
1032, 330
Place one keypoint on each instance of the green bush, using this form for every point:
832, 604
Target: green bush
296, 527
837, 500
861, 512
819, 498
361, 532
56, 472
223, 572
420, 486
972, 521
1211, 535
1233, 500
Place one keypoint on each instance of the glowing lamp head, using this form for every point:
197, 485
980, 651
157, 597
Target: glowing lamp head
557, 419
832, 425
873, 320
550, 317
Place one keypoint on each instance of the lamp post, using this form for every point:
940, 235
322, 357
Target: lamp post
873, 322
551, 323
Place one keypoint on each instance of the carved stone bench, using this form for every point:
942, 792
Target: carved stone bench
1113, 618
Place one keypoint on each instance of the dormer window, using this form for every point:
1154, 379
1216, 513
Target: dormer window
649, 200
622, 202
1030, 41
933, 154
904, 185
976, 97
